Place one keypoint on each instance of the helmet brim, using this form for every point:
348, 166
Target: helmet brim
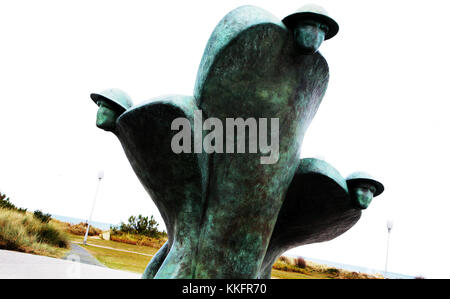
292, 20
97, 97
379, 188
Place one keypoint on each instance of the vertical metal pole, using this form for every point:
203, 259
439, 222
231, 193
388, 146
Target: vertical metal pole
387, 252
92, 211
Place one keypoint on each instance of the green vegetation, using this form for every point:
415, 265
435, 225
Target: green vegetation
21, 231
300, 262
289, 268
131, 247
115, 257
139, 240
120, 260
140, 225
30, 233
44, 218
77, 229
136, 259
279, 274
141, 231
5, 203
115, 245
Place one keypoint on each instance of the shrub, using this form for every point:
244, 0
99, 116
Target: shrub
284, 259
5, 203
334, 271
319, 271
140, 225
286, 266
44, 218
80, 229
300, 262
22, 232
50, 235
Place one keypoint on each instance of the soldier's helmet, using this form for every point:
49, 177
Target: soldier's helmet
118, 98
361, 177
312, 12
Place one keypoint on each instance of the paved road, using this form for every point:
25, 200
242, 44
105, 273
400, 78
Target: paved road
21, 265
79, 253
112, 248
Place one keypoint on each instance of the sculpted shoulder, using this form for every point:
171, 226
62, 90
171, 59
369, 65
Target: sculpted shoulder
236, 23
178, 104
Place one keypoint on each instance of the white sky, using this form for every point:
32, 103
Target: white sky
385, 111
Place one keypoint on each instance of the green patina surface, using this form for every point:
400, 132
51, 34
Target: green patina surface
228, 215
258, 73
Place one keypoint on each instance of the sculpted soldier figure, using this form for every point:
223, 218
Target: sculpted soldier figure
227, 215
112, 103
311, 25
363, 188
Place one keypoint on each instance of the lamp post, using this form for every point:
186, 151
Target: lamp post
100, 177
389, 226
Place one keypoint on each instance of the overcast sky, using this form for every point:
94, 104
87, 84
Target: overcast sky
385, 111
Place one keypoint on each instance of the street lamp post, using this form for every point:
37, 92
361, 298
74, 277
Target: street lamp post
100, 177
389, 226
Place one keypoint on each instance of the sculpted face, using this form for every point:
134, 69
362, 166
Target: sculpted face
363, 195
106, 116
309, 35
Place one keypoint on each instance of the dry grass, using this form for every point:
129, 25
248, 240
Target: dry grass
284, 259
313, 270
284, 268
118, 259
114, 244
77, 229
300, 262
138, 240
22, 232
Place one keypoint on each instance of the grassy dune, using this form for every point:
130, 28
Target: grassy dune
288, 268
139, 240
77, 229
116, 245
119, 260
23, 232
284, 268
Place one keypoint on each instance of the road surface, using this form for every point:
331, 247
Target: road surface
84, 256
22, 265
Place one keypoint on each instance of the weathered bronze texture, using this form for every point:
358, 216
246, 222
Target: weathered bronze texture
311, 25
317, 208
227, 215
363, 188
112, 102
314, 13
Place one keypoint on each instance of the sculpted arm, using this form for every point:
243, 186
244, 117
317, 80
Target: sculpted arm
319, 206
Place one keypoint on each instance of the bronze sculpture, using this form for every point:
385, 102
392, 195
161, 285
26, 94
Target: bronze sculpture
227, 215
311, 25
112, 103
